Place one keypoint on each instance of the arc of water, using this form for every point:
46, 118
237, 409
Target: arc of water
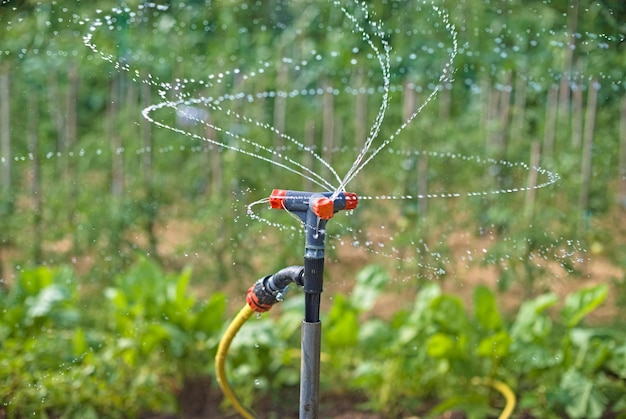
317, 179
445, 76
384, 62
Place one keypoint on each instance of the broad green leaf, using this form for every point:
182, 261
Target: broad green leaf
530, 322
33, 281
485, 309
79, 342
211, 317
370, 281
183, 301
585, 399
342, 325
441, 345
583, 302
449, 314
617, 362
494, 346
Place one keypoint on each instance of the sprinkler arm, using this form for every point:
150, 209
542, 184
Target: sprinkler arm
320, 204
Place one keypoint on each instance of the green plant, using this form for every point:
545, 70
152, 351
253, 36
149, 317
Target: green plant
435, 357
58, 359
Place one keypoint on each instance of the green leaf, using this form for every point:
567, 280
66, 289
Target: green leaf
79, 342
370, 281
485, 309
440, 345
585, 400
530, 322
342, 324
617, 362
583, 302
449, 314
494, 346
211, 317
33, 281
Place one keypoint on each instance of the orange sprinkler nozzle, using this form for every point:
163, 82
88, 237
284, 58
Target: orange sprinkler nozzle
277, 198
352, 200
324, 208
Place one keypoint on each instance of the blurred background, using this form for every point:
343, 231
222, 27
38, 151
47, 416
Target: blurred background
125, 246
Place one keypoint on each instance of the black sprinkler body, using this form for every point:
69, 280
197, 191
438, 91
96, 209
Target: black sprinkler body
314, 210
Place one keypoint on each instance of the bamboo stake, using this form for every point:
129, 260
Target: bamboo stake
577, 114
566, 72
531, 193
504, 105
5, 157
309, 141
519, 107
5, 130
117, 160
408, 104
146, 138
622, 156
328, 122
57, 112
360, 114
422, 185
215, 166
71, 134
33, 145
551, 116
445, 101
280, 107
590, 117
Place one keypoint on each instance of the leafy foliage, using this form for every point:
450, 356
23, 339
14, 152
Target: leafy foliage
127, 357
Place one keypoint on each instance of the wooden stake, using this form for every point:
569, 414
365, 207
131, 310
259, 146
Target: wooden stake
577, 114
590, 117
117, 159
535, 156
518, 123
33, 146
309, 142
280, 107
504, 105
551, 115
422, 185
360, 114
328, 106
146, 138
622, 156
5, 131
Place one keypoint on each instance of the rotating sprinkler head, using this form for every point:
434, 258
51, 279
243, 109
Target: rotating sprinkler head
321, 205
314, 209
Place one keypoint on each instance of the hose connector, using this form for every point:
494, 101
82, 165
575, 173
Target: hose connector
271, 289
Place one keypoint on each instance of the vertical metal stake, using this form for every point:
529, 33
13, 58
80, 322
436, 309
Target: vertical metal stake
310, 369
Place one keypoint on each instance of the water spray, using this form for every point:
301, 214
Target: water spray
314, 210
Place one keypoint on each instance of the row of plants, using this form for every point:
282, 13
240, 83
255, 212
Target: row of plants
70, 352
79, 107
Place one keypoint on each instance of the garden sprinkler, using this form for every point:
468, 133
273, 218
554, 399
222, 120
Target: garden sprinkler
314, 210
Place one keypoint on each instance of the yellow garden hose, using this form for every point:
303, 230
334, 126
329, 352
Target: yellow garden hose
220, 360
503, 389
